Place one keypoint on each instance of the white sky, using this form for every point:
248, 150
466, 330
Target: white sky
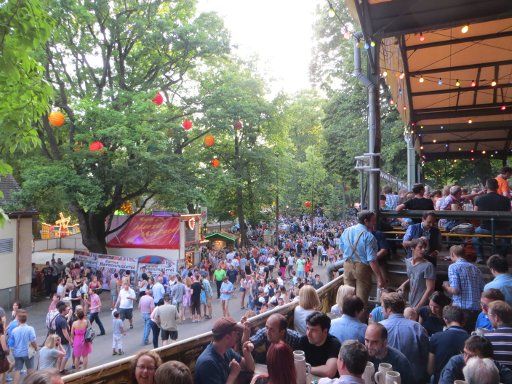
278, 32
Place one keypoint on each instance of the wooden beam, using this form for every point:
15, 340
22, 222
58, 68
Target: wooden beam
462, 141
462, 40
463, 128
401, 45
462, 90
477, 82
460, 67
461, 111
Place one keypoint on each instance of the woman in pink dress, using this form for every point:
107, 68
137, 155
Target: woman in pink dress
81, 348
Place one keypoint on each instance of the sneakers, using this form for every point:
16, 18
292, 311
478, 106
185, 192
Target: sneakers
114, 353
131, 326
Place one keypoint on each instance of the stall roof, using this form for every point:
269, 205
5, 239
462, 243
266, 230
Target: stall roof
452, 88
222, 235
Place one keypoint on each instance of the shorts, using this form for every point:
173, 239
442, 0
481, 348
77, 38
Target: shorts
126, 313
20, 361
173, 335
195, 307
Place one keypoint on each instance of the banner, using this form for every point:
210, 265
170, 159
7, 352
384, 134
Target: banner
89, 260
150, 232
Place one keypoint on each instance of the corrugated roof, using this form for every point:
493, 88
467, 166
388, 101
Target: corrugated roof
8, 185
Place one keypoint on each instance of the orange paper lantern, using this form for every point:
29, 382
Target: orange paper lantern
158, 99
215, 163
96, 146
238, 125
187, 124
307, 204
232, 213
209, 140
56, 119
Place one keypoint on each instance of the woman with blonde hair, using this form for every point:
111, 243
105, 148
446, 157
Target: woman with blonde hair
344, 291
144, 366
51, 352
309, 302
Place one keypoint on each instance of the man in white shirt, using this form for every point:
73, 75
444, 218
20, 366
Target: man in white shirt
125, 302
158, 291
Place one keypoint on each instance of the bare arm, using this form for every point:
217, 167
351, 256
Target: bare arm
376, 269
400, 207
424, 299
431, 363
329, 369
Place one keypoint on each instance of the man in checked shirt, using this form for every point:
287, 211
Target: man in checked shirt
465, 285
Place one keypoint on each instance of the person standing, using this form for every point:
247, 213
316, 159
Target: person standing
360, 255
502, 179
166, 316
177, 293
195, 299
426, 229
219, 274
62, 330
465, 285
81, 347
125, 303
146, 306
226, 290
158, 291
95, 309
502, 278
418, 202
23, 339
118, 332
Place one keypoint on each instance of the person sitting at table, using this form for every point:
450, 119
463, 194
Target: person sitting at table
351, 362
482, 321
320, 348
274, 331
219, 363
348, 326
426, 229
280, 366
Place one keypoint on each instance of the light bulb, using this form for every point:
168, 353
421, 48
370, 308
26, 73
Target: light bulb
422, 79
346, 35
483, 152
493, 83
457, 83
421, 147
460, 149
384, 74
405, 108
402, 75
392, 102
331, 12
465, 29
470, 121
503, 107
422, 38
473, 83
440, 81
372, 43
434, 141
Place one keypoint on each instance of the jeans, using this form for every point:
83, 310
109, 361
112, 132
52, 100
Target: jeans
501, 244
147, 327
219, 283
156, 332
96, 317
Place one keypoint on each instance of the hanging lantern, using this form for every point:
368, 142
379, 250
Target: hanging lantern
56, 119
209, 141
158, 99
127, 207
232, 213
187, 124
307, 204
215, 162
238, 125
96, 146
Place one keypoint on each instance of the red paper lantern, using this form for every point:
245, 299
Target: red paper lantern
158, 99
215, 163
232, 213
96, 146
307, 204
238, 125
56, 119
187, 124
209, 140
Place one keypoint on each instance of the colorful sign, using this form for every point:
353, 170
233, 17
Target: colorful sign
149, 232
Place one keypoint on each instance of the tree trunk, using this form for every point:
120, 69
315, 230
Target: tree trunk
92, 228
191, 208
244, 241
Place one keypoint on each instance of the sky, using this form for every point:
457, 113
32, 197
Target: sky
278, 32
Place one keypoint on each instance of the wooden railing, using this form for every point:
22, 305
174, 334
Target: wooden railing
188, 350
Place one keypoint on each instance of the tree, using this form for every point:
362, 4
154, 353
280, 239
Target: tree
106, 61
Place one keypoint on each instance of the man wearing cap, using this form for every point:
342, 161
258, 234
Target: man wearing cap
219, 363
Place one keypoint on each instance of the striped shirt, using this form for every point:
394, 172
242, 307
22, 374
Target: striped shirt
467, 278
501, 339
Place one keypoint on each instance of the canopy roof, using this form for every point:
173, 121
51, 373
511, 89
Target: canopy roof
441, 79
217, 235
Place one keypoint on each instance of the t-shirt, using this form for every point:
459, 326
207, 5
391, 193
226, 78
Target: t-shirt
444, 345
48, 358
124, 301
299, 318
61, 324
431, 323
167, 314
196, 290
219, 274
232, 274
212, 368
317, 356
418, 274
503, 188
22, 335
419, 204
117, 327
493, 202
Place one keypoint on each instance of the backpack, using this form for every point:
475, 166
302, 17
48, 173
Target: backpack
51, 317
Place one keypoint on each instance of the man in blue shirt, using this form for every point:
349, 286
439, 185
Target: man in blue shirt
488, 296
376, 341
219, 363
502, 279
428, 230
359, 248
348, 326
408, 336
446, 344
465, 285
23, 336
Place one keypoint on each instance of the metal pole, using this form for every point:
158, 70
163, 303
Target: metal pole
374, 134
411, 162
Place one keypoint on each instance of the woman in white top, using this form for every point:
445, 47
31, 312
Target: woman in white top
343, 292
309, 302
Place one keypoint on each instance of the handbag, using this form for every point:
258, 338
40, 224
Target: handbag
90, 334
5, 365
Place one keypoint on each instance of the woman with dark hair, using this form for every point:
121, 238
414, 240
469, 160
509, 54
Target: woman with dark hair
173, 372
144, 366
431, 316
280, 366
81, 348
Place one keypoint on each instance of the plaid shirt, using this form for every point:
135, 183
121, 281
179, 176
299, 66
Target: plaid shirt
467, 278
291, 337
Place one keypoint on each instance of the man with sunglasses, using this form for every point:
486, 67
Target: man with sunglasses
488, 296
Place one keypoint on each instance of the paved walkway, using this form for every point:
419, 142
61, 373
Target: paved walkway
102, 345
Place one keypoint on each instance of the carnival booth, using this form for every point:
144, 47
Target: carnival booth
170, 236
